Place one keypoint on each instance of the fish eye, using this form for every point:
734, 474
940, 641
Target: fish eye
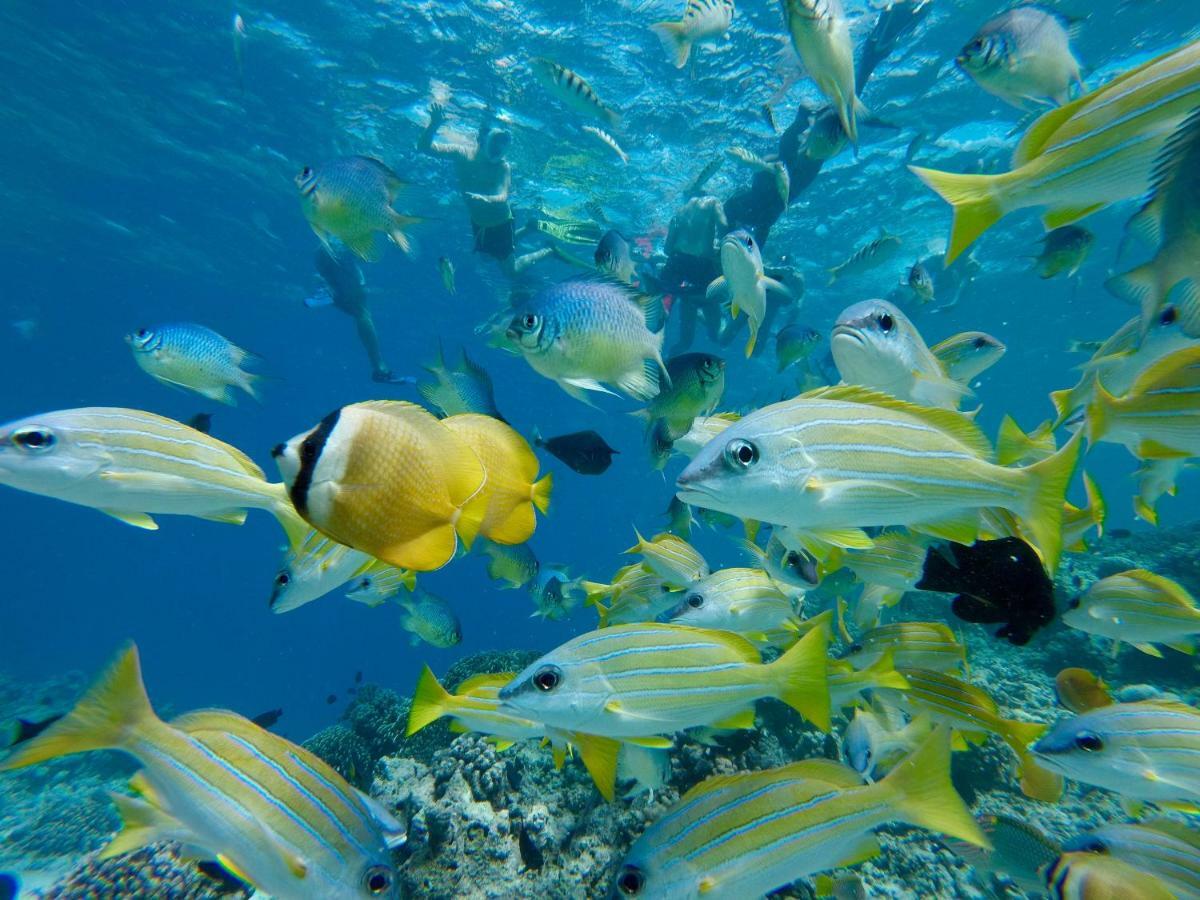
855, 648
741, 454
1089, 844
283, 579
1074, 603
141, 332
306, 172
975, 46
1089, 741
749, 241
35, 439
378, 880
529, 320
547, 678
1169, 316
979, 343
630, 881
695, 601
886, 322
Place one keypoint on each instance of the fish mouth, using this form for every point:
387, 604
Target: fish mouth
850, 331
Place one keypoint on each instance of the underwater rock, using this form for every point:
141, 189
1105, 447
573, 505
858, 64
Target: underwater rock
347, 752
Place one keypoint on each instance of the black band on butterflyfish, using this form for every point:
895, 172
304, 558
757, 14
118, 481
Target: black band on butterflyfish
311, 449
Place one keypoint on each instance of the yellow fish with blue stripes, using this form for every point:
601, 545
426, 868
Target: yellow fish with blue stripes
632, 681
834, 461
134, 465
745, 835
1081, 157
270, 812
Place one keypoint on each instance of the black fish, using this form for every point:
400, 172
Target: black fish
996, 581
268, 718
584, 451
358, 677
201, 422
24, 730
531, 854
331, 699
9, 886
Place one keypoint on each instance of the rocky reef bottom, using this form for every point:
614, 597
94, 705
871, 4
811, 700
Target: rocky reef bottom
483, 823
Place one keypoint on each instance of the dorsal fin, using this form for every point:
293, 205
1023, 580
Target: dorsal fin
953, 423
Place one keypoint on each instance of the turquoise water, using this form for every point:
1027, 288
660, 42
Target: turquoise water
148, 169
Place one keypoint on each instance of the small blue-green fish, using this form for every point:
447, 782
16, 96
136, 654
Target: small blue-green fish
466, 388
795, 343
679, 519
446, 270
696, 382
429, 618
1020, 853
1148, 750
514, 566
740, 836
920, 282
1064, 250
350, 198
268, 811
586, 333
1168, 850
555, 593
194, 358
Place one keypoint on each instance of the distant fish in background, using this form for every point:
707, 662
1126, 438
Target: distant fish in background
920, 283
267, 719
1023, 56
194, 358
26, 329
871, 255
514, 566
446, 270
429, 618
1020, 853
585, 452
570, 89
555, 593
1064, 250
703, 22
795, 343
1080, 690
614, 256
21, 730
466, 388
202, 422
967, 355
239, 39
743, 283
379, 584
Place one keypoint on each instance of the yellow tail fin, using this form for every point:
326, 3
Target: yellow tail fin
803, 684
599, 755
922, 793
430, 702
883, 674
107, 717
975, 207
1043, 515
541, 494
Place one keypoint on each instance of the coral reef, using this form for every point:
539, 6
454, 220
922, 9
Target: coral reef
153, 872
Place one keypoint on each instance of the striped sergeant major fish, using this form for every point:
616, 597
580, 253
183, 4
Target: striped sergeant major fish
133, 465
631, 681
570, 89
830, 462
1079, 158
735, 836
269, 812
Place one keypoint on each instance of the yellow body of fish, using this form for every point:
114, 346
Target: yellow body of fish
512, 488
389, 479
1079, 158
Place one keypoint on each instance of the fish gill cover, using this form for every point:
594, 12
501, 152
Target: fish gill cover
720, 414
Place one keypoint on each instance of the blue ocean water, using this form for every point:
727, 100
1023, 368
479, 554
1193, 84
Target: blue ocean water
147, 181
